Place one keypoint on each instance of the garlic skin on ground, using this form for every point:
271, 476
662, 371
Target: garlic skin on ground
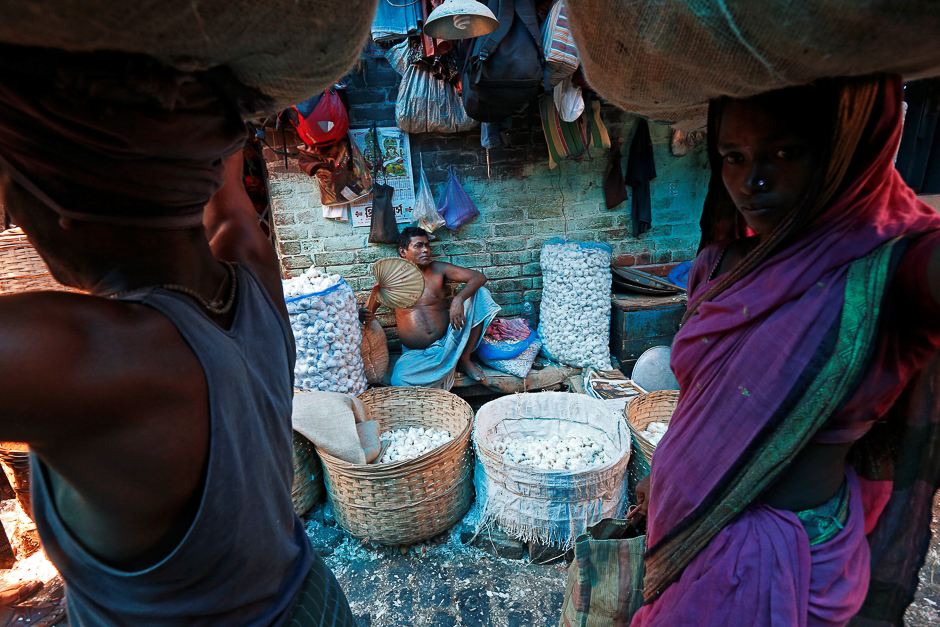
410, 443
575, 312
326, 333
655, 431
553, 453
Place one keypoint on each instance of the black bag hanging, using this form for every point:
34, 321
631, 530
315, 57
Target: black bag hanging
503, 72
384, 229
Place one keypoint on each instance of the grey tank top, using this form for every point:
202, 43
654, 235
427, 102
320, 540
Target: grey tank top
245, 555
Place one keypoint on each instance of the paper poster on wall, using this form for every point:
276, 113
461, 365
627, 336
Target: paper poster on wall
396, 159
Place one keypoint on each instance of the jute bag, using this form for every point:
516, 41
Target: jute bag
605, 576
374, 350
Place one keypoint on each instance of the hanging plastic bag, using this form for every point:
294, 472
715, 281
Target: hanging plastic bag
384, 228
568, 100
455, 206
426, 104
424, 213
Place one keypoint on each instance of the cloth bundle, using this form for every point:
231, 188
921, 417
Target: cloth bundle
518, 366
338, 424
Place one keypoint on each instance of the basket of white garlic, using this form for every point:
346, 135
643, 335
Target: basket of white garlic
423, 482
648, 416
549, 465
574, 318
325, 320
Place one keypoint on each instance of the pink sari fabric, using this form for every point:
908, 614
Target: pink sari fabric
736, 362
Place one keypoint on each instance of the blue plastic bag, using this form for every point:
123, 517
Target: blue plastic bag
455, 206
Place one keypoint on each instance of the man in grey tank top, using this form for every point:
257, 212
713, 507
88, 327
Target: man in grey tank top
157, 405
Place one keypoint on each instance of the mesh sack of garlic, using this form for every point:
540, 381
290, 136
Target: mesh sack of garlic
574, 323
655, 431
410, 443
553, 453
325, 320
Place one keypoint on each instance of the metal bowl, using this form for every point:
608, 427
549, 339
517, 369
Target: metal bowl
652, 372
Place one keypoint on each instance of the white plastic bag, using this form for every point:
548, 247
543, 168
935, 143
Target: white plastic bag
568, 100
425, 213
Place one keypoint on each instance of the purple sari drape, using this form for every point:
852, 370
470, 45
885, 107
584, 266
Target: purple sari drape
738, 360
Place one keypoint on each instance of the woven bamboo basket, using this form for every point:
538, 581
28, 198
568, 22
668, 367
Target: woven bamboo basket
21, 267
408, 501
308, 475
14, 457
646, 409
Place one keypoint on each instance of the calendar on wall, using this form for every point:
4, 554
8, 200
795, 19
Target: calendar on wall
394, 171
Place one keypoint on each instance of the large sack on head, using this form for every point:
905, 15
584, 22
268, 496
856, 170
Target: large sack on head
666, 59
288, 50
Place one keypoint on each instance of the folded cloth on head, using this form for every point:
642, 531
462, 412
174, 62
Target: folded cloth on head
435, 366
330, 420
115, 138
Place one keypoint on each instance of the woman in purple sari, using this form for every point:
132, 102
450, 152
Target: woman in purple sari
798, 469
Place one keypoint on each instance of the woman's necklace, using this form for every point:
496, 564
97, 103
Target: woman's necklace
215, 306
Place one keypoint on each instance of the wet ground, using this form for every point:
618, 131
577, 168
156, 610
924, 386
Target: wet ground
446, 581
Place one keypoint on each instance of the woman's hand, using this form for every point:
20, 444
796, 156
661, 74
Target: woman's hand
642, 498
456, 314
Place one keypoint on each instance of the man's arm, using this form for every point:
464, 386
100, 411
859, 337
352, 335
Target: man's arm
234, 233
474, 280
67, 360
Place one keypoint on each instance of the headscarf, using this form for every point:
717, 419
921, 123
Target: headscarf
753, 333
116, 138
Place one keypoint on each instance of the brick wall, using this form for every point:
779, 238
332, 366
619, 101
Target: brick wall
521, 206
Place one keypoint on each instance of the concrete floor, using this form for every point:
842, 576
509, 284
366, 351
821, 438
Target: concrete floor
444, 583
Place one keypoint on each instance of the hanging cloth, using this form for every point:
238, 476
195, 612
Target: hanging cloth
433, 47
615, 190
641, 169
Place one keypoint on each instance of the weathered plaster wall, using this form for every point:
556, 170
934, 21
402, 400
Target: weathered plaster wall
523, 205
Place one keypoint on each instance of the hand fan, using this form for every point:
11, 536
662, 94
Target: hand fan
398, 284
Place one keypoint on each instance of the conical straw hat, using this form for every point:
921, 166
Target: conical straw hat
400, 282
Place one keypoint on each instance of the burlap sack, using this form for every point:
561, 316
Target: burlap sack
374, 350
329, 419
288, 50
666, 59
370, 440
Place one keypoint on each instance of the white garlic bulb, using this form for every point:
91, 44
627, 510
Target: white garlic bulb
655, 431
413, 442
553, 453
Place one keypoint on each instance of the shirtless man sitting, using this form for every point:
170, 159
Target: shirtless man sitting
438, 340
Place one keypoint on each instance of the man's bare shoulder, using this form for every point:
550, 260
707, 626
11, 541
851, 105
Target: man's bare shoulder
441, 267
77, 356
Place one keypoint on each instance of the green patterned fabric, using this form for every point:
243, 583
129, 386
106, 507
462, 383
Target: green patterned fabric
865, 288
824, 523
605, 578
